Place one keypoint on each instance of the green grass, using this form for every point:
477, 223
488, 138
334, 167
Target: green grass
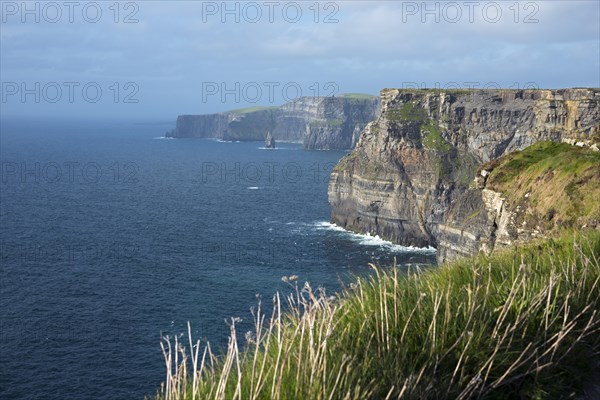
408, 112
550, 179
433, 139
473, 215
519, 324
439, 91
358, 96
248, 110
560, 157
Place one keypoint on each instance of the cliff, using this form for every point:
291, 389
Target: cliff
318, 122
411, 176
522, 196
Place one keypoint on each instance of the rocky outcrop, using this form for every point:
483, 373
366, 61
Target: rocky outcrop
269, 141
479, 220
408, 179
318, 122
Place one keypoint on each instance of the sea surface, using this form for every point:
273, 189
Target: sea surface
111, 236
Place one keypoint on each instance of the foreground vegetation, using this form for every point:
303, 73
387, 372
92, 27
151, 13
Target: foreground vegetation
520, 324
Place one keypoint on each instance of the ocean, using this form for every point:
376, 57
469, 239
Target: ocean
111, 236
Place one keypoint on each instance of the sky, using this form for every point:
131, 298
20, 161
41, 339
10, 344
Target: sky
154, 60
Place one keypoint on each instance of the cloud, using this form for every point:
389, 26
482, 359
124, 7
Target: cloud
176, 46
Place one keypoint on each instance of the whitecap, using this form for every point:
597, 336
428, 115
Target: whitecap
324, 225
373, 240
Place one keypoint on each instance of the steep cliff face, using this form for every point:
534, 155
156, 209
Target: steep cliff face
337, 122
408, 178
200, 126
254, 126
318, 122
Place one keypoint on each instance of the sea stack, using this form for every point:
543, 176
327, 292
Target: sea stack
269, 141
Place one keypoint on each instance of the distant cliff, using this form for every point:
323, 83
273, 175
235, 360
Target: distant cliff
411, 176
317, 122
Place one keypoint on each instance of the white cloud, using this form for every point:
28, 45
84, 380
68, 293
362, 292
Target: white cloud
174, 48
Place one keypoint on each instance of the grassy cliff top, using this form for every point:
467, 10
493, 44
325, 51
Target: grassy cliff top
487, 89
248, 110
530, 93
556, 181
519, 324
357, 96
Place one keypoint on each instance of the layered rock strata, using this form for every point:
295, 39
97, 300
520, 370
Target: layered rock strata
408, 178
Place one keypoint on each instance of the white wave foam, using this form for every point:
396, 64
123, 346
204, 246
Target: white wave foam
163, 137
252, 188
369, 240
324, 225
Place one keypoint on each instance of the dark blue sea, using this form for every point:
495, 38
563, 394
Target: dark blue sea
111, 236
